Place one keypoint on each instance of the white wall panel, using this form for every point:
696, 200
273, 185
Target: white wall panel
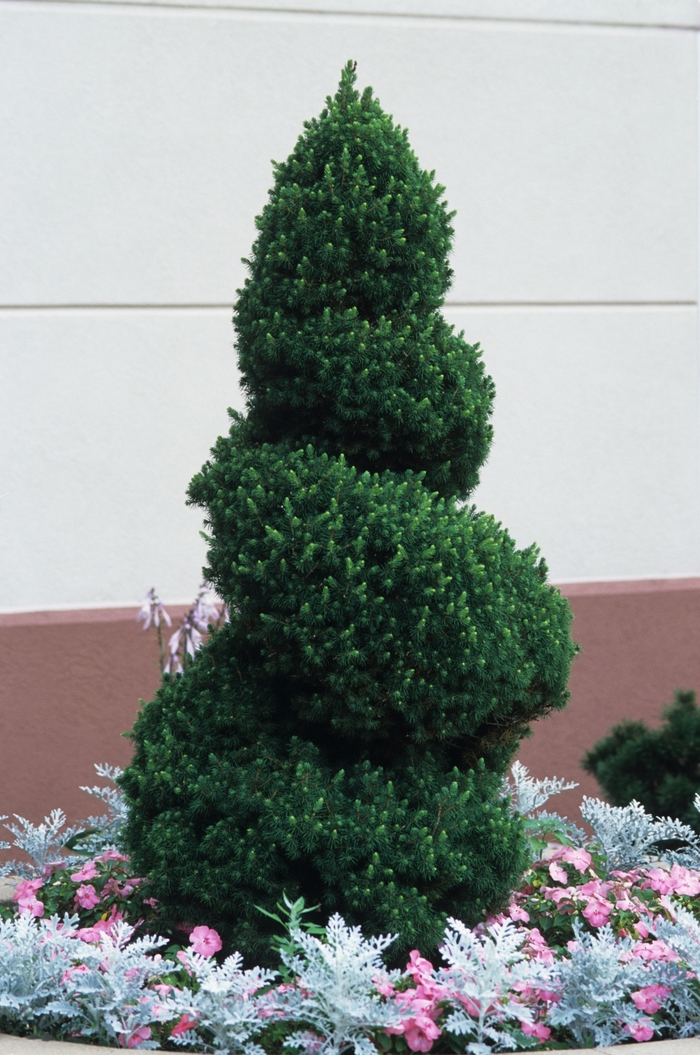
596, 442
136, 147
104, 418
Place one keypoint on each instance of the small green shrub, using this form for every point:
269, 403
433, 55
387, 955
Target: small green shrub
660, 768
344, 737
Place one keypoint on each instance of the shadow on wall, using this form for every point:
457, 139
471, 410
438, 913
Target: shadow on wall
71, 683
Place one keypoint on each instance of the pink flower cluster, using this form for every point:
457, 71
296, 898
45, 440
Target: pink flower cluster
25, 897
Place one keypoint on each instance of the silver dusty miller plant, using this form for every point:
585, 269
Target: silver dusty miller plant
46, 843
43, 843
226, 1006
596, 983
527, 794
629, 837
104, 832
104, 997
483, 970
335, 993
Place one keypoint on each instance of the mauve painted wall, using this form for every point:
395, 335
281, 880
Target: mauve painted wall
72, 682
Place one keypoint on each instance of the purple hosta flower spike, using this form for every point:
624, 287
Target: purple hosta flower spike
152, 611
190, 635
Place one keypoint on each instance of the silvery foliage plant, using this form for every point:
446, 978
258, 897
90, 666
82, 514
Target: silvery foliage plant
483, 970
105, 831
527, 794
682, 935
596, 983
46, 843
335, 992
226, 1006
109, 988
101, 997
629, 836
42, 843
33, 960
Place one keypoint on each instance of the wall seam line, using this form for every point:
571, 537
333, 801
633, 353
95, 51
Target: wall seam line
495, 19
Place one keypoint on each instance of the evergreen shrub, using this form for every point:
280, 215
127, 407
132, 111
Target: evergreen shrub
345, 736
659, 768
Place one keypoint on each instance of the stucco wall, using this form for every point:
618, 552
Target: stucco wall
136, 147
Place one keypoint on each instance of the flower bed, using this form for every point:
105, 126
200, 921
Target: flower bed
599, 945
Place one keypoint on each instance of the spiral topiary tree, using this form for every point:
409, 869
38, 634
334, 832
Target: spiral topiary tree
345, 736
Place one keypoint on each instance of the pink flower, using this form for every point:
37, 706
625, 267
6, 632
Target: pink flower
517, 913
68, 975
205, 941
660, 881
133, 1039
86, 896
31, 906
558, 894
27, 889
421, 1033
536, 1029
88, 871
678, 881
537, 946
111, 855
558, 873
384, 988
655, 950
597, 911
103, 926
183, 1025
650, 998
641, 929
25, 896
686, 882
580, 859
596, 888
642, 1030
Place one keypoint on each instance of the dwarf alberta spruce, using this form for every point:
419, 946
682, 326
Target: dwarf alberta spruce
584, 955
343, 737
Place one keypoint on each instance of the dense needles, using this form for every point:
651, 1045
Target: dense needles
345, 736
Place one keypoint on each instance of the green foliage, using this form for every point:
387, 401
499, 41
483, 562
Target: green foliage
660, 768
344, 737
340, 340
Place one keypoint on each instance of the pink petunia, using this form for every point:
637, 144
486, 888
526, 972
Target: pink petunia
650, 998
641, 929
88, 871
580, 859
642, 1030
205, 941
558, 873
86, 896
